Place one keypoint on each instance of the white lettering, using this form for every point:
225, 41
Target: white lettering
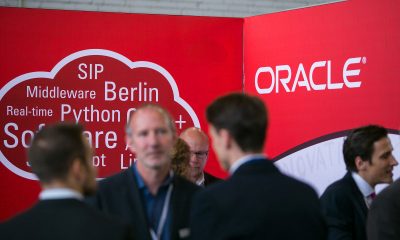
284, 81
350, 73
268, 78
271, 73
313, 67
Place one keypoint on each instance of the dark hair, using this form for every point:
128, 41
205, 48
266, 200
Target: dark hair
243, 116
53, 150
360, 142
181, 158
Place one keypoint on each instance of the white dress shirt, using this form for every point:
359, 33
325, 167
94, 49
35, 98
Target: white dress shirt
244, 160
59, 193
364, 187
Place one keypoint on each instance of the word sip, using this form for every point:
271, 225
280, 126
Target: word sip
90, 71
272, 78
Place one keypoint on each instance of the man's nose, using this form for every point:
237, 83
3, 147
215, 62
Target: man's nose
394, 161
153, 139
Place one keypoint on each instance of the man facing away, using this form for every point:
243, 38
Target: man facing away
148, 195
369, 161
384, 215
257, 201
62, 160
198, 144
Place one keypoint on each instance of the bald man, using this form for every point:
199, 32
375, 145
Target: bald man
198, 144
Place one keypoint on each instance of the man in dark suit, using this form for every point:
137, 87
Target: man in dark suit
61, 159
384, 215
198, 144
148, 195
368, 157
257, 201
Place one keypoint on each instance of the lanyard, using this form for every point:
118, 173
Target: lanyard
163, 217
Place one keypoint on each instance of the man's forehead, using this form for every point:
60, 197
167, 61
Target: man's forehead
149, 112
383, 145
148, 118
195, 135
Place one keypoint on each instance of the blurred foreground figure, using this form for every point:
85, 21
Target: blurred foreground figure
384, 215
62, 160
257, 201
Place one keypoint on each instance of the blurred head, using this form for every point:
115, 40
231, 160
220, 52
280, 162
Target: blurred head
60, 153
241, 117
368, 151
180, 159
151, 135
198, 144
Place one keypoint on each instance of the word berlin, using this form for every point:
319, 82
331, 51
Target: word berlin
56, 92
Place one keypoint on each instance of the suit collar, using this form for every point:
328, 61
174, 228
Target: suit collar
131, 193
243, 160
256, 166
201, 180
59, 193
140, 183
361, 205
362, 185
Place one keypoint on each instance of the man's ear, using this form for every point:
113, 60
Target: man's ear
360, 164
77, 171
226, 138
129, 144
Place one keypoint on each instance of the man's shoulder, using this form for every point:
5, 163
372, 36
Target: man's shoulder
210, 179
38, 220
344, 184
21, 219
184, 185
117, 179
342, 191
390, 194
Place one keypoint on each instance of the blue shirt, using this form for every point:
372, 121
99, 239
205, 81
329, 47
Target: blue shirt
154, 204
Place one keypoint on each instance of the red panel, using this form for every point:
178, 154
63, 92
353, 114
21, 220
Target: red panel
197, 52
364, 32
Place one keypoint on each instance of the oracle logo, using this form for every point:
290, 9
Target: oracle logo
268, 79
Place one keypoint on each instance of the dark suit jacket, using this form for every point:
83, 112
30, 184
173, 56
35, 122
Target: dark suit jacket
210, 179
63, 219
257, 202
345, 210
119, 196
384, 215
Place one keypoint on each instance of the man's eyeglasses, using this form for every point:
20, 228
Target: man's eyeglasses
200, 154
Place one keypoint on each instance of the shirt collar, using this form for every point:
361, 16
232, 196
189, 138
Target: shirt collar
244, 160
59, 193
142, 185
201, 180
363, 185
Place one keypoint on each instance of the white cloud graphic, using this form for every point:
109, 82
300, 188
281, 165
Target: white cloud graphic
321, 164
92, 52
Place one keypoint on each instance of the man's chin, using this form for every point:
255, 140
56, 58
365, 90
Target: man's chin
156, 165
387, 180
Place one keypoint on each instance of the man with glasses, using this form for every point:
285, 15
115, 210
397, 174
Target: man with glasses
198, 144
